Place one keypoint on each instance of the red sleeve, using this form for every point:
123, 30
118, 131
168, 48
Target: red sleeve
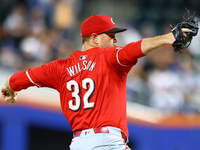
123, 58
130, 53
47, 75
19, 81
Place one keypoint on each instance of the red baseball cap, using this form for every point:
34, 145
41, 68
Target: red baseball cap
99, 24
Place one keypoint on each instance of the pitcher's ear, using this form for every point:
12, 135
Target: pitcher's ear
95, 38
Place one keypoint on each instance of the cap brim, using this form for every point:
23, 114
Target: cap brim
116, 30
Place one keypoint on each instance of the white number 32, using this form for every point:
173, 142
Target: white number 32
89, 86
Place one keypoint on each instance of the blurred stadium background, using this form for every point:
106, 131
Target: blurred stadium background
163, 89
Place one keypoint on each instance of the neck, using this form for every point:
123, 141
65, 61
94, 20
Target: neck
88, 46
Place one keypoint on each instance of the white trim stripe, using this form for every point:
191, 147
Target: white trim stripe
31, 79
118, 58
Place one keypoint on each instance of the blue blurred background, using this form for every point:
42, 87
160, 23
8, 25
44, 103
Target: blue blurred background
163, 89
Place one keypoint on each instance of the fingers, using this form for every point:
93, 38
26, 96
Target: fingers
11, 94
7, 93
4, 91
184, 35
185, 30
10, 98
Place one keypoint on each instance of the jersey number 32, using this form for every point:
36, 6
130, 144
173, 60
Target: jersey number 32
89, 86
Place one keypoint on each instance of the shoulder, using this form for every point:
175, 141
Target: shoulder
59, 61
57, 64
111, 50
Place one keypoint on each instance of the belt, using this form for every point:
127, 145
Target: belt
100, 130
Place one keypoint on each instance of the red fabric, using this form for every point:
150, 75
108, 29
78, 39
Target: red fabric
96, 130
19, 81
96, 24
128, 54
92, 85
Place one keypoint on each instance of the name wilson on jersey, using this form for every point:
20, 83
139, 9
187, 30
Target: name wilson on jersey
86, 65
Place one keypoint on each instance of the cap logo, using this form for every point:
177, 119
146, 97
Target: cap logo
112, 21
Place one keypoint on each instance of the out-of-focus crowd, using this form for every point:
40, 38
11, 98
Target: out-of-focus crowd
165, 80
39, 31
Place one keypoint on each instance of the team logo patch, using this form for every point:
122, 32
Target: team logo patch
83, 57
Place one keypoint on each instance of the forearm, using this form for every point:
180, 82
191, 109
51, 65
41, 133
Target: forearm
7, 85
13, 84
150, 44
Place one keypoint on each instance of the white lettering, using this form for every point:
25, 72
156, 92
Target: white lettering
85, 65
79, 68
92, 66
75, 69
71, 70
88, 65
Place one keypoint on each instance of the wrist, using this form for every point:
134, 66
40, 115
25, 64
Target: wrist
169, 39
7, 84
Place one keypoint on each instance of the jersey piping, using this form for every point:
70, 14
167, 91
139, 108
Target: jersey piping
31, 79
118, 58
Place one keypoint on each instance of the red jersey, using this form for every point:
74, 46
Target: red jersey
92, 85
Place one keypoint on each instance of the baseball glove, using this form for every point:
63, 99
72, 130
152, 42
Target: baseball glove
182, 42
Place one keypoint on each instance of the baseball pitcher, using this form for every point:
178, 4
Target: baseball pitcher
92, 82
